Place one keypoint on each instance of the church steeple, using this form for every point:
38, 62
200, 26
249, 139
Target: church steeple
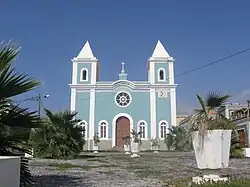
123, 74
86, 52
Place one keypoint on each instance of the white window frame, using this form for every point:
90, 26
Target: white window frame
159, 128
87, 75
129, 97
164, 75
86, 128
146, 128
107, 129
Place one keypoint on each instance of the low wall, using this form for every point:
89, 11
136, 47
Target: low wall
10, 171
106, 145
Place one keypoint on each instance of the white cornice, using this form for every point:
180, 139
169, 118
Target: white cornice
111, 87
84, 60
161, 59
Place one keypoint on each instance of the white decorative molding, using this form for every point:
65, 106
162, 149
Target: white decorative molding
153, 113
114, 125
173, 106
107, 129
164, 75
128, 95
92, 114
138, 87
87, 75
146, 128
73, 100
159, 128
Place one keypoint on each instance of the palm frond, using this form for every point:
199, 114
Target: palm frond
202, 104
214, 100
8, 53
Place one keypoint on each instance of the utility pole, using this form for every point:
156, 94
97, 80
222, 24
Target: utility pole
39, 104
38, 99
248, 107
248, 123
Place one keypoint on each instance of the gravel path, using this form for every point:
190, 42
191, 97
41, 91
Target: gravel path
119, 170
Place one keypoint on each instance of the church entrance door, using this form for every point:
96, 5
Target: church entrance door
122, 130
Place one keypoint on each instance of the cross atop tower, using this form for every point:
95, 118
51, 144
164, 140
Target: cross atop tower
123, 75
123, 68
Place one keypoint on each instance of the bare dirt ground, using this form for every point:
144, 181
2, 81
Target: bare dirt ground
119, 170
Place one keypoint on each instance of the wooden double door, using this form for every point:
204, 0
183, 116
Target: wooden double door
122, 130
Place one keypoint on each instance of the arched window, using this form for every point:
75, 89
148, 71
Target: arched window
163, 130
142, 127
83, 124
103, 129
84, 74
161, 74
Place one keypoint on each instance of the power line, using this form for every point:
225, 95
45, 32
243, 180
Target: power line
183, 73
213, 63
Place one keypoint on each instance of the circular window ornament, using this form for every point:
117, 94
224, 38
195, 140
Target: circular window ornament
123, 99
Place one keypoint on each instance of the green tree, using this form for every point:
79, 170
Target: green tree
177, 138
61, 136
15, 122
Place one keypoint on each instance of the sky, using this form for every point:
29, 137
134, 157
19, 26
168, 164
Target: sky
51, 33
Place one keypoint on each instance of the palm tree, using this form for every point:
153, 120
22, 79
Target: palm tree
61, 136
177, 138
206, 118
15, 122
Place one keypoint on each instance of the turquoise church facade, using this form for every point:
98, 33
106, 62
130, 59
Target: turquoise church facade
113, 108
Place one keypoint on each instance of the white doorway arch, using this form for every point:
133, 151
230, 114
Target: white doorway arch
114, 125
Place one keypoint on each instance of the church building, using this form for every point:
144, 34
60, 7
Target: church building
113, 108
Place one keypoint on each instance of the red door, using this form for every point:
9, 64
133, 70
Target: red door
122, 130
242, 138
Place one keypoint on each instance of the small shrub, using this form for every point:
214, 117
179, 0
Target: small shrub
136, 136
96, 139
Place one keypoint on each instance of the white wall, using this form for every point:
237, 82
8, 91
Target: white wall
10, 171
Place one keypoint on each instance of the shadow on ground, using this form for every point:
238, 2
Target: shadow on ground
58, 181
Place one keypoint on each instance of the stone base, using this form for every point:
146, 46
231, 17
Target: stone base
127, 153
207, 178
246, 152
134, 155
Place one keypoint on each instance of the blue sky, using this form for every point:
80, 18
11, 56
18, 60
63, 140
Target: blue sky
194, 33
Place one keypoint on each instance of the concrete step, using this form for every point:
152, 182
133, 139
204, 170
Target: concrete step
116, 148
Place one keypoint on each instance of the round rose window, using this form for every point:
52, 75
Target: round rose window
123, 99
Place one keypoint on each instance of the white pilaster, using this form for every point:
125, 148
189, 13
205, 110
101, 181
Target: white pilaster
153, 123
74, 73
152, 72
92, 115
173, 106
171, 72
93, 73
73, 99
